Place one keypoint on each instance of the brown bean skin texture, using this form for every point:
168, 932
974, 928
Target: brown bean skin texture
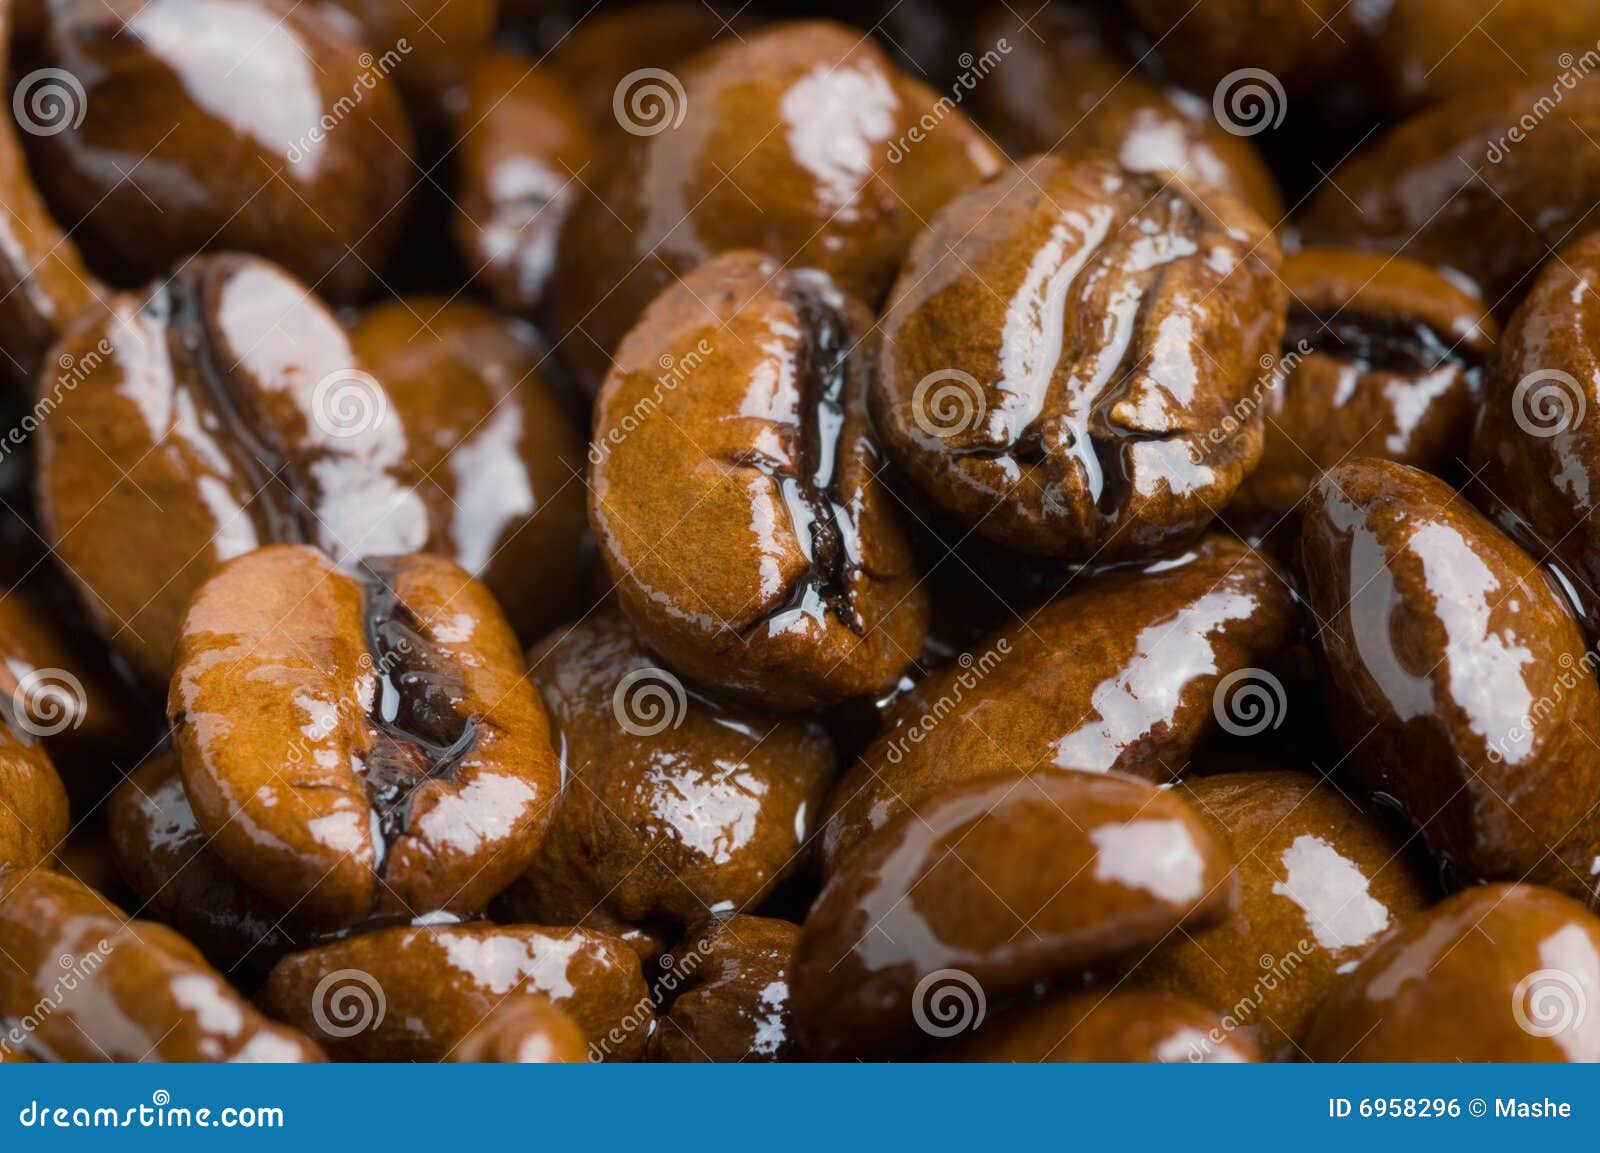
1381, 357
523, 149
1451, 675
440, 983
319, 756
1060, 343
224, 171
1535, 450
665, 204
1299, 41
208, 419
524, 1031
1010, 881
1098, 1025
735, 489
1119, 673
1319, 881
733, 1004
165, 858
140, 991
1067, 83
1450, 187
1494, 973
33, 820
502, 455
673, 804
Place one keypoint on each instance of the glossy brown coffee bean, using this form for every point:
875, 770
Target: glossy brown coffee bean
1457, 677
1300, 42
524, 148
731, 994
524, 1031
44, 286
127, 990
735, 489
414, 993
426, 46
166, 859
1124, 673
223, 410
360, 744
502, 456
1060, 344
992, 886
1495, 973
1060, 80
1319, 881
1432, 50
1382, 357
33, 819
836, 171
174, 149
673, 804
1535, 448
1100, 1025
1467, 184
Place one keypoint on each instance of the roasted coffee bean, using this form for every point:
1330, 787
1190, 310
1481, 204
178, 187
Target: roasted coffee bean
127, 990
1319, 881
1064, 341
1061, 81
360, 745
502, 457
1458, 679
730, 995
1102, 1025
1466, 184
415, 993
33, 819
1300, 42
524, 1031
221, 411
674, 805
837, 169
1496, 973
735, 489
1382, 357
1122, 673
1427, 55
523, 149
1535, 450
166, 859
1008, 881
174, 146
